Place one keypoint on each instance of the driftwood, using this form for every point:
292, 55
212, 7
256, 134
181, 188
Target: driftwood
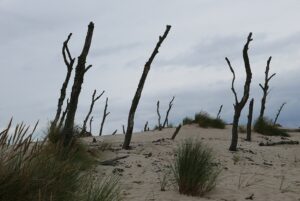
158, 114
146, 126
239, 105
176, 132
265, 88
278, 113
112, 162
166, 122
94, 99
138, 93
105, 114
249, 124
291, 142
69, 62
80, 71
219, 112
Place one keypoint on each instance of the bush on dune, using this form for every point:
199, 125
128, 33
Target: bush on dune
265, 126
205, 120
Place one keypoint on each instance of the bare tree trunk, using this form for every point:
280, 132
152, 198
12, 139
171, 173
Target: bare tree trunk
115, 132
239, 105
123, 127
158, 114
249, 124
137, 96
81, 69
105, 114
176, 132
91, 121
94, 99
166, 122
146, 126
219, 112
265, 88
62, 119
69, 62
278, 113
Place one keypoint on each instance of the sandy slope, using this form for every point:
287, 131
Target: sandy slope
270, 173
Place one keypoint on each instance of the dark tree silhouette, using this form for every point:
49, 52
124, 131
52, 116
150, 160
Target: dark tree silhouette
219, 112
94, 99
91, 121
166, 122
146, 126
123, 127
176, 132
265, 88
105, 114
62, 119
69, 62
158, 114
278, 113
249, 124
138, 93
239, 105
80, 71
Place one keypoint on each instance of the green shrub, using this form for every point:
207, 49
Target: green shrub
205, 121
194, 168
265, 126
187, 120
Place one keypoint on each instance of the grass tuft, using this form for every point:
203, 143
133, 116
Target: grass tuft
205, 120
265, 126
194, 168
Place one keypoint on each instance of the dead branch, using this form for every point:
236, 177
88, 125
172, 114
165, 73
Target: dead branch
265, 88
62, 119
123, 127
291, 142
69, 62
113, 162
146, 126
249, 123
219, 112
166, 122
91, 121
105, 114
176, 132
94, 99
76, 88
158, 114
115, 132
239, 105
278, 113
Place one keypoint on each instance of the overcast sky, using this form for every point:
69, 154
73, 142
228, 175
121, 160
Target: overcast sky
190, 64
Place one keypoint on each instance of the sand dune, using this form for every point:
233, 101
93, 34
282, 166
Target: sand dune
267, 173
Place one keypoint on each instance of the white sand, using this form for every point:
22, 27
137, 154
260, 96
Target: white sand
270, 173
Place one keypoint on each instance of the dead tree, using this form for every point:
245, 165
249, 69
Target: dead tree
115, 132
69, 62
94, 99
249, 124
91, 121
219, 112
239, 105
62, 119
80, 71
176, 132
158, 114
146, 126
278, 113
105, 114
265, 88
138, 93
123, 127
166, 122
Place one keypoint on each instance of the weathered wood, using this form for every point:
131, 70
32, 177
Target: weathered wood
91, 121
278, 113
113, 162
158, 114
115, 132
219, 112
146, 126
138, 93
166, 122
249, 123
81, 69
69, 62
239, 105
123, 127
62, 119
176, 132
265, 88
291, 142
105, 114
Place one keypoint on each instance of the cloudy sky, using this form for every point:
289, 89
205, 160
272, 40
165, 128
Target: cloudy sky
190, 65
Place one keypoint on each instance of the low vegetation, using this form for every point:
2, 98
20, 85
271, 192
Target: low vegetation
265, 126
194, 168
204, 120
43, 171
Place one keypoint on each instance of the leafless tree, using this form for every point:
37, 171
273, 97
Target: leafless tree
158, 114
123, 127
105, 114
62, 119
80, 71
166, 122
146, 126
265, 88
176, 132
91, 121
278, 113
219, 112
239, 105
94, 99
249, 124
69, 62
138, 93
